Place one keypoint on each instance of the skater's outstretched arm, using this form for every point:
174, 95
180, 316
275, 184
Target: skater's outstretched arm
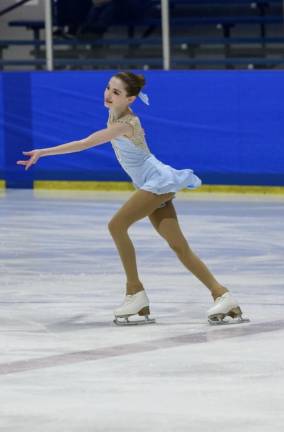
100, 137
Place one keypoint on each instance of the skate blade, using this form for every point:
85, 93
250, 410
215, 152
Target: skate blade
227, 320
125, 321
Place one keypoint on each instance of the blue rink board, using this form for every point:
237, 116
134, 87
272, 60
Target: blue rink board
2, 147
226, 125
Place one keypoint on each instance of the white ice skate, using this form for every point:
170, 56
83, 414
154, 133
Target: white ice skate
225, 311
133, 304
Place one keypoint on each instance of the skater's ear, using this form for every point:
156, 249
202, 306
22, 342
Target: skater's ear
131, 99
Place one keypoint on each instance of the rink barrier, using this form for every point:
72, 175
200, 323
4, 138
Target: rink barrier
230, 133
2, 184
127, 186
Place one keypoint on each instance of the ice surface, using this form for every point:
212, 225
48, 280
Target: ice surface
65, 367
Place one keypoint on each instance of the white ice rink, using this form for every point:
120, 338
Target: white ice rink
66, 368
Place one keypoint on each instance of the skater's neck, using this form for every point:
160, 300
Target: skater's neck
119, 113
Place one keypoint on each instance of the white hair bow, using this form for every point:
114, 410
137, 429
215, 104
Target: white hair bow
144, 98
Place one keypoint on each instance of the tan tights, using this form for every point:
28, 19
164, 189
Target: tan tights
164, 220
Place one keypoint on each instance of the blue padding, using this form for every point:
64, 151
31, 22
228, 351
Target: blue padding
17, 128
72, 109
2, 154
226, 125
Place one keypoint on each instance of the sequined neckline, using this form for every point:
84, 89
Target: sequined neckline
131, 114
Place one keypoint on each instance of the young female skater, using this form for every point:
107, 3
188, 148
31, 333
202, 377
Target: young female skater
156, 184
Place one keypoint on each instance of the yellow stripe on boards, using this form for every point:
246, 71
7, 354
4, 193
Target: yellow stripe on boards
2, 189
127, 186
279, 190
83, 185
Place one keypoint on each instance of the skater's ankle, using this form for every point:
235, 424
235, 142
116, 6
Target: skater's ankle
218, 292
132, 292
133, 288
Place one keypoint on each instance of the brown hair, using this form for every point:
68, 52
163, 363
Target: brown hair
133, 83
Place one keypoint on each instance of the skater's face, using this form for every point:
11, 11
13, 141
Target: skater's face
115, 95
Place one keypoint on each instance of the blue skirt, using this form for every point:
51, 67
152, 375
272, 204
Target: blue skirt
154, 176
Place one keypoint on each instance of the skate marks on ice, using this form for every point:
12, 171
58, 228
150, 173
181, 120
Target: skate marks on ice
214, 334
77, 322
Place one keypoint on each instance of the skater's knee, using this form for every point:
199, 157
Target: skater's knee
113, 226
116, 226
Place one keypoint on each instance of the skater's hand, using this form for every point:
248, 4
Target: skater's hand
33, 155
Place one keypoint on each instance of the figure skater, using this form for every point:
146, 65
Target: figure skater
156, 184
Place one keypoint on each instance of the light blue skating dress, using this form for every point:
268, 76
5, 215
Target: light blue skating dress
145, 170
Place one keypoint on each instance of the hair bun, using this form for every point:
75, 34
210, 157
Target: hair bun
133, 82
141, 80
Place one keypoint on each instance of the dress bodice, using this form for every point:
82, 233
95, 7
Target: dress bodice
138, 137
130, 151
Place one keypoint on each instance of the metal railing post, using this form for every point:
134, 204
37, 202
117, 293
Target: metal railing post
166, 34
48, 34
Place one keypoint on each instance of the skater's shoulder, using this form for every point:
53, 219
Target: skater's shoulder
129, 118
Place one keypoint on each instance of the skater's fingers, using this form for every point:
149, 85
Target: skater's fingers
29, 164
32, 161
